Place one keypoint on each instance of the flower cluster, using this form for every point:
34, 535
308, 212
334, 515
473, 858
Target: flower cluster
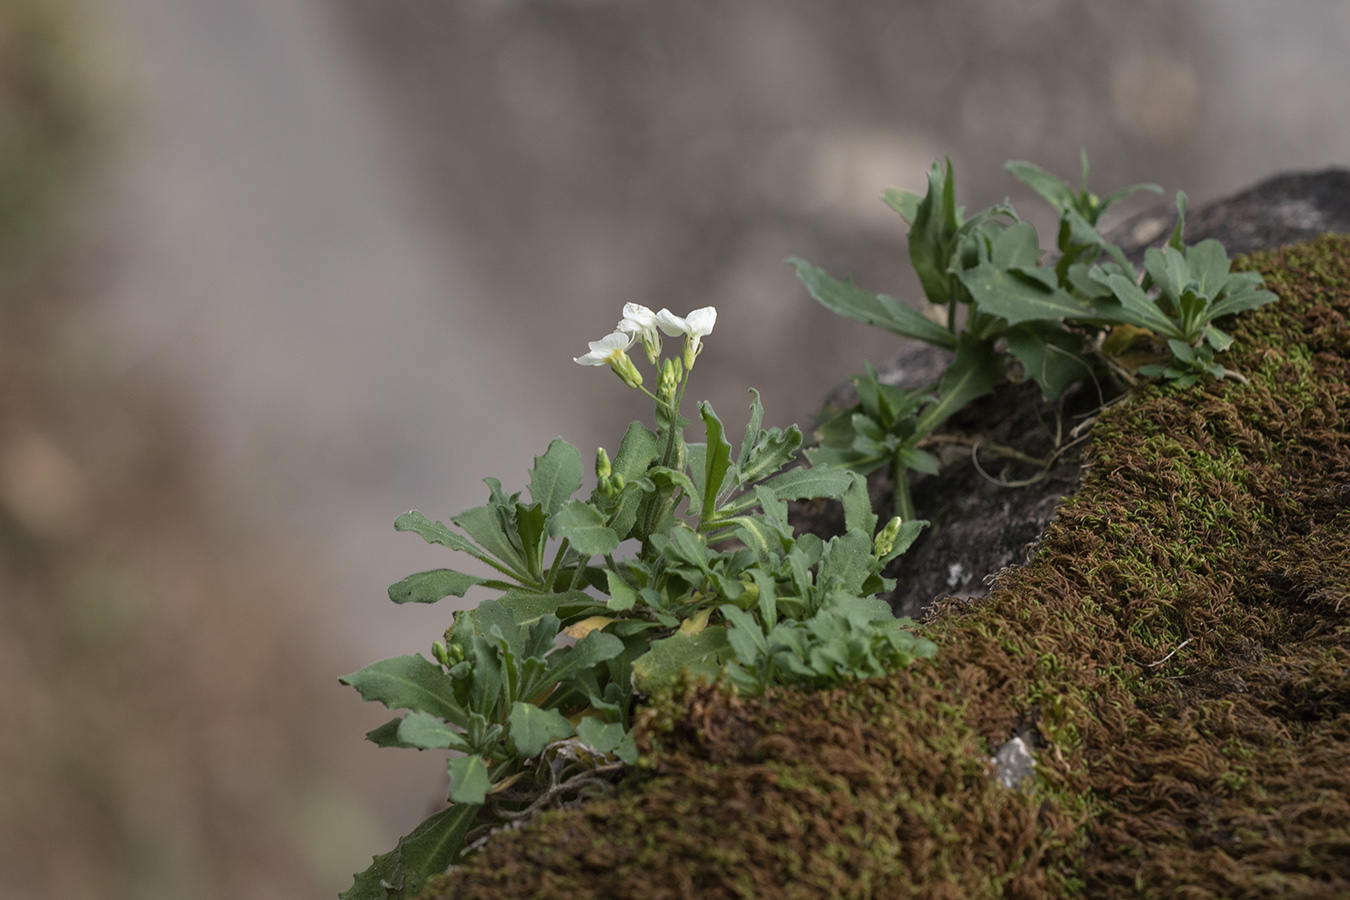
640, 323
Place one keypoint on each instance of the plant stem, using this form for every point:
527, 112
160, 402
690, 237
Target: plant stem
903, 504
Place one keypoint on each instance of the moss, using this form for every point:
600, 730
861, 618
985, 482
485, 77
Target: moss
1178, 653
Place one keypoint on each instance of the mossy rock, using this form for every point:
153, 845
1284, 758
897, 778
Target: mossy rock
1177, 654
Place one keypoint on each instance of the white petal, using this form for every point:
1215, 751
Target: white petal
604, 349
636, 316
671, 324
701, 321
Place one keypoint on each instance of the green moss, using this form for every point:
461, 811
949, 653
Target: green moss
1178, 653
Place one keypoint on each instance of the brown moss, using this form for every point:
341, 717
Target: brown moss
1177, 653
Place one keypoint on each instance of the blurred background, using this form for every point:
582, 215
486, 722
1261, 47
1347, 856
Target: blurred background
274, 271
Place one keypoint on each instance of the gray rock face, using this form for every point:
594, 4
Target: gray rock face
1286, 209
979, 525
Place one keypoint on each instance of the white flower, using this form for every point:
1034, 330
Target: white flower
607, 350
697, 324
694, 327
640, 321
612, 350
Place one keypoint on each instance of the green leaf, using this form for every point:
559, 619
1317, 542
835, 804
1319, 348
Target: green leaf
847, 560
408, 682
623, 516
556, 476
670, 478
1049, 355
909, 531
871, 309
637, 451
1208, 264
752, 433
1116, 196
1054, 189
1175, 241
906, 203
485, 525
765, 452
434, 532
428, 587
607, 738
1016, 297
1219, 340
585, 527
858, 507
387, 735
429, 849
1136, 308
1016, 246
469, 780
495, 613
931, 235
426, 732
745, 636
758, 534
527, 607
533, 729
973, 372
622, 596
594, 648
716, 458
663, 664
1168, 270
532, 530
918, 460
1240, 301
804, 484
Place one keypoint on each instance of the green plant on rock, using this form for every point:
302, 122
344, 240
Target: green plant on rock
985, 279
718, 587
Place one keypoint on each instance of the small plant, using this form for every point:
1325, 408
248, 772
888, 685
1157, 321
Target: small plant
998, 302
719, 586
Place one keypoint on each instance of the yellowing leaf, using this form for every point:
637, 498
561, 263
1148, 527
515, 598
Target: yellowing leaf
696, 624
1120, 338
580, 629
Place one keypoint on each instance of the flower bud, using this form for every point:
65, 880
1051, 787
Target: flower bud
624, 368
442, 656
885, 540
672, 371
601, 464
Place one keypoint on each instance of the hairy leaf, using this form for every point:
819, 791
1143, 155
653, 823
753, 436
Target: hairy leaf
1017, 298
428, 850
716, 458
556, 476
426, 732
408, 682
428, 587
469, 780
434, 532
533, 729
668, 658
584, 526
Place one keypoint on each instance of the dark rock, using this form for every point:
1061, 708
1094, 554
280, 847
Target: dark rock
1283, 210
